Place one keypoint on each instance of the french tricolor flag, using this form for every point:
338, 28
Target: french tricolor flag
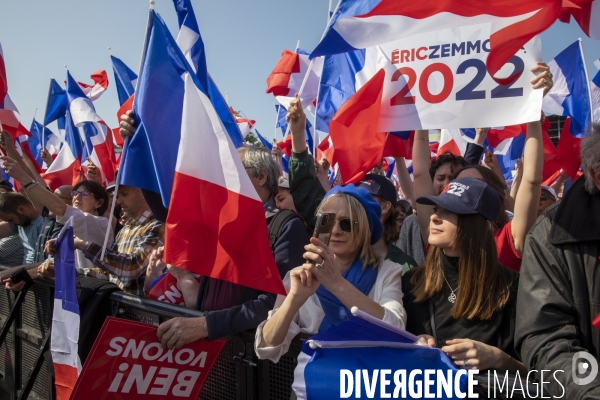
93, 92
595, 92
213, 207
360, 24
65, 318
455, 141
98, 145
289, 73
569, 96
190, 42
125, 79
3, 80
66, 168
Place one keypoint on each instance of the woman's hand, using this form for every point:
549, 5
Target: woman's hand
94, 173
303, 284
325, 267
470, 354
7, 142
426, 340
544, 77
12, 168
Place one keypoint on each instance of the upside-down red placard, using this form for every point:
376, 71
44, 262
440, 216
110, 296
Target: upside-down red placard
128, 362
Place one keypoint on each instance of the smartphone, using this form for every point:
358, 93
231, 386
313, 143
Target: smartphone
324, 226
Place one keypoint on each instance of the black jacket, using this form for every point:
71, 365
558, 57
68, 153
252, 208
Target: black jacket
559, 292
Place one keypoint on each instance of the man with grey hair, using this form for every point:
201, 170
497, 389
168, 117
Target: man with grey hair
559, 287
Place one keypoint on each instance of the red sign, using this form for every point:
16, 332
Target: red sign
128, 362
167, 290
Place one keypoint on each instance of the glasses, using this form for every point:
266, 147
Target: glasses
544, 197
346, 224
84, 194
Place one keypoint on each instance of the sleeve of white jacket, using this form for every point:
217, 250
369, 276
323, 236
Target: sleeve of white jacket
274, 353
87, 226
391, 296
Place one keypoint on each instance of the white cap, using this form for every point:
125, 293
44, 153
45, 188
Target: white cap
551, 191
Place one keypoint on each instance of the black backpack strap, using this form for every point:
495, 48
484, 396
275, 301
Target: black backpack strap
276, 224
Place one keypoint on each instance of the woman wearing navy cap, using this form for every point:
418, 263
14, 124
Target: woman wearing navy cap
347, 273
462, 299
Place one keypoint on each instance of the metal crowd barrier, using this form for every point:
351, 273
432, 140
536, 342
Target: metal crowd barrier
237, 374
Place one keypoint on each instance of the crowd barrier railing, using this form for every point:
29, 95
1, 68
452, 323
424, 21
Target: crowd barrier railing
26, 369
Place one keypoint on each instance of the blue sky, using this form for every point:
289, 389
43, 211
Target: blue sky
244, 40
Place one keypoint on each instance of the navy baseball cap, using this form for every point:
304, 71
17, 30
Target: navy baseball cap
467, 196
380, 186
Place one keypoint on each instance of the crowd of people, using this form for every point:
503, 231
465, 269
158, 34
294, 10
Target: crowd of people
499, 277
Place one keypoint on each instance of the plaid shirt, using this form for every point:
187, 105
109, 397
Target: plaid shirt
127, 259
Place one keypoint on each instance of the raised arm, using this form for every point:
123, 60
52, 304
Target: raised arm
423, 185
39, 195
406, 184
528, 196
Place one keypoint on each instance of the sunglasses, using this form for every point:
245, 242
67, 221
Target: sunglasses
544, 197
84, 194
346, 224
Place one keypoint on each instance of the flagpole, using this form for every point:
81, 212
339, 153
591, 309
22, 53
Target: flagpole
45, 113
126, 141
276, 121
587, 82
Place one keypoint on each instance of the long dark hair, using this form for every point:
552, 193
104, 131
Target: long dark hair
492, 179
483, 283
98, 191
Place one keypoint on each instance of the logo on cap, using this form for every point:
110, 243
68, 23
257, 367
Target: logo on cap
455, 188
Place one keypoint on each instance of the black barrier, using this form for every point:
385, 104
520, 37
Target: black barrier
237, 374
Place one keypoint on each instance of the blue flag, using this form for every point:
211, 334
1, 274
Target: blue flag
56, 104
35, 141
125, 79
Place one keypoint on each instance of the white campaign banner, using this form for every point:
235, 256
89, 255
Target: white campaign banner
439, 80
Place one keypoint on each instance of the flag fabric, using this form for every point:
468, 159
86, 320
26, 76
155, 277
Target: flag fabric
264, 141
281, 115
190, 42
66, 168
584, 12
360, 24
56, 103
399, 144
569, 96
508, 152
353, 131
3, 79
285, 80
369, 345
286, 143
455, 141
595, 91
35, 141
125, 79
93, 92
65, 318
10, 119
244, 124
212, 205
569, 151
98, 144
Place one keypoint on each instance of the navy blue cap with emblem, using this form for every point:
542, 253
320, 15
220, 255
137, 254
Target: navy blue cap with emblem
467, 196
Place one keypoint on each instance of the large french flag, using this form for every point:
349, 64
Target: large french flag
360, 24
191, 44
125, 79
3, 80
289, 73
213, 207
64, 338
569, 96
98, 145
362, 348
595, 91
66, 168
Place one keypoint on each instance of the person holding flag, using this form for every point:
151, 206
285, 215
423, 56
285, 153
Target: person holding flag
346, 273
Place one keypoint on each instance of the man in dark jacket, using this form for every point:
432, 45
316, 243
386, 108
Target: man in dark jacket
559, 288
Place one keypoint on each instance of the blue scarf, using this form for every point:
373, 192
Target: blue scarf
335, 311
